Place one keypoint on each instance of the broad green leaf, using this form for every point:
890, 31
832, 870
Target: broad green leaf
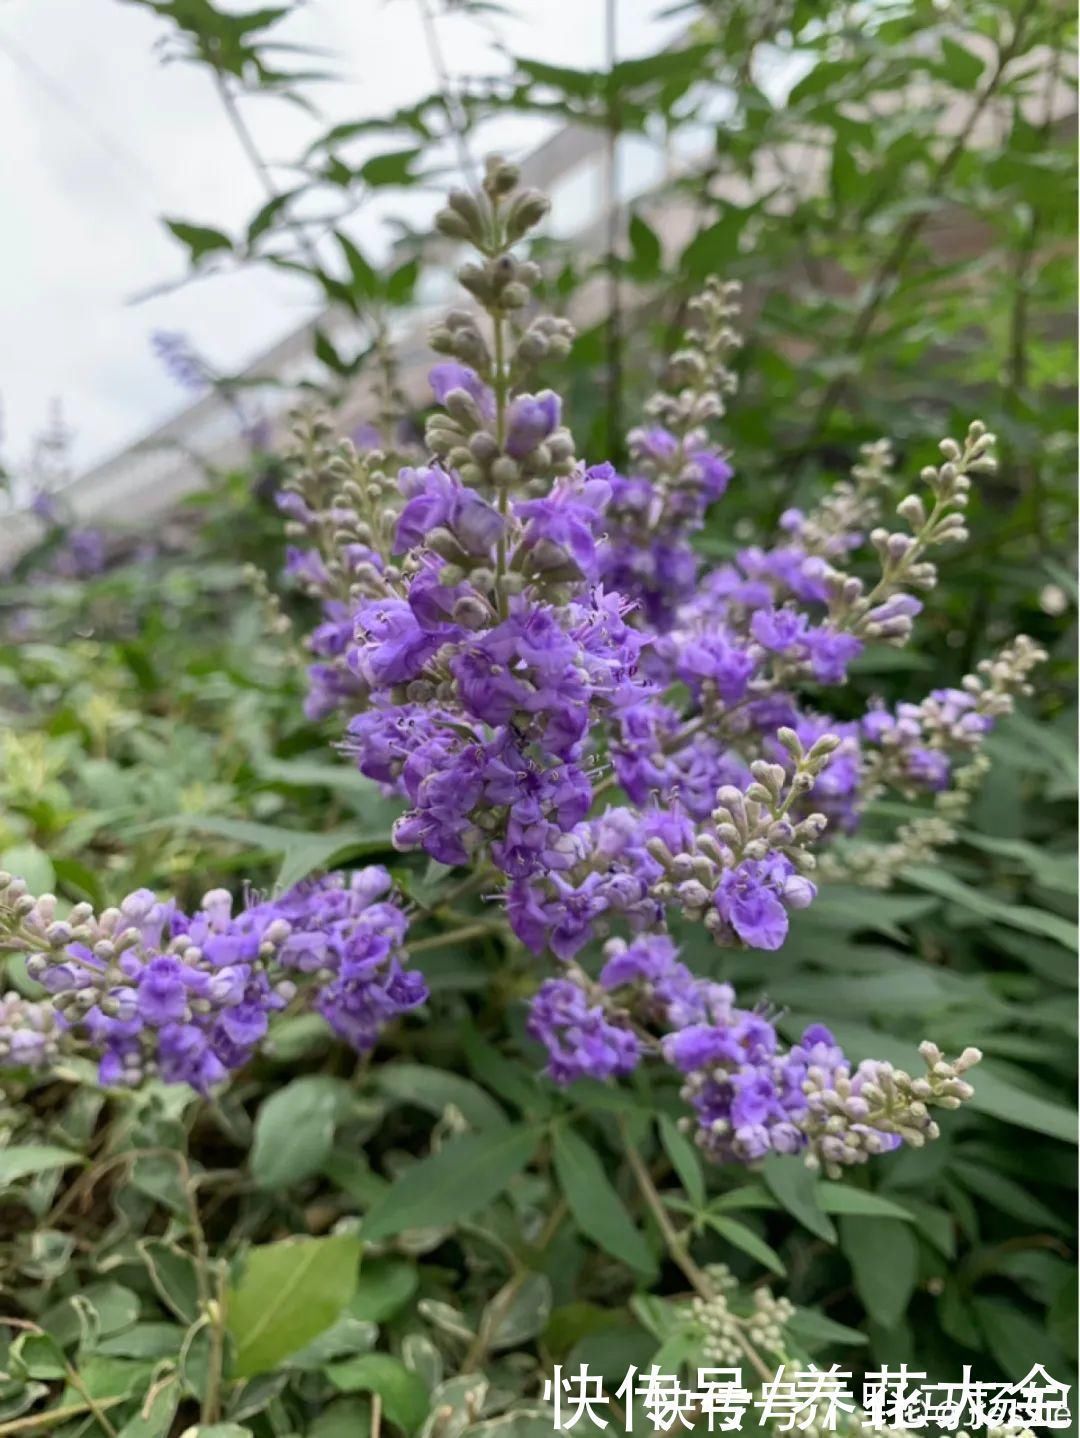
435, 1090
1007, 1195
792, 1184
144, 1340
32, 865
518, 1311
343, 1418
462, 1178
23, 1159
155, 1413
884, 1258
385, 1286
172, 1272
302, 854
287, 1294
598, 1210
960, 66
404, 1397
294, 1130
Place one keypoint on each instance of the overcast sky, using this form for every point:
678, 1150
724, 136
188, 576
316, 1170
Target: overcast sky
100, 139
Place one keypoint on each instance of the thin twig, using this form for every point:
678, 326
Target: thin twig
455, 113
677, 1247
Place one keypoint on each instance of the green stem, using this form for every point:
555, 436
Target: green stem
677, 1246
499, 385
57, 1415
452, 936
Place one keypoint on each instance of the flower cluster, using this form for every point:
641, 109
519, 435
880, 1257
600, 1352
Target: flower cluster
751, 1095
677, 472
520, 646
152, 991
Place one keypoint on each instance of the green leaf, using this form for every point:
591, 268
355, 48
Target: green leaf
884, 1258
23, 1159
265, 217
327, 354
172, 1272
393, 168
145, 1340
463, 1177
401, 283
684, 1160
364, 278
960, 66
598, 1210
518, 1311
645, 249
814, 1330
841, 1198
1016, 916
715, 248
792, 1184
294, 1130
1017, 1341
385, 1286
32, 865
747, 1240
288, 1293
404, 1397
216, 1430
301, 853
436, 1090
343, 1418
200, 240
844, 907
1007, 1195
153, 1418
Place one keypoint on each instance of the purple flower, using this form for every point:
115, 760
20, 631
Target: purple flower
779, 630
831, 651
529, 421
449, 376
754, 899
560, 531
437, 499
717, 659
580, 1040
391, 646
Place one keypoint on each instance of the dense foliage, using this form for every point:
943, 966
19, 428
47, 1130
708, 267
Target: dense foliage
308, 1155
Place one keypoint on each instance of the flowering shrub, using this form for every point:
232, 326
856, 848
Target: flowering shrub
644, 773
517, 634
